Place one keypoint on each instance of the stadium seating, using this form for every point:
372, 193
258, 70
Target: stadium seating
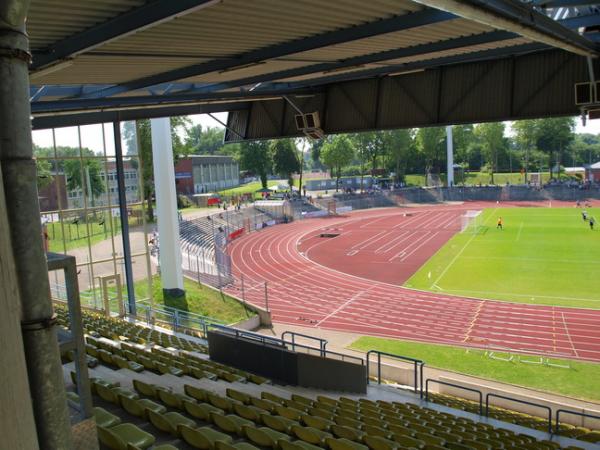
243, 415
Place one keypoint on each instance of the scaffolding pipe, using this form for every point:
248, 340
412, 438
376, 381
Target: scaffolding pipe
40, 343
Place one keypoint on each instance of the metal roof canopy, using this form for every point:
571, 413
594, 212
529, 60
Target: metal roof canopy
168, 57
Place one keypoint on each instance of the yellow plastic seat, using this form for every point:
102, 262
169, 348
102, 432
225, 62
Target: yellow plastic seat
296, 445
272, 397
290, 413
310, 434
119, 437
220, 445
248, 412
204, 438
380, 443
265, 437
266, 405
317, 422
172, 399
140, 408
196, 392
200, 411
376, 431
343, 432
348, 422
104, 418
278, 423
145, 389
241, 397
344, 444
230, 423
223, 403
301, 399
169, 422
407, 441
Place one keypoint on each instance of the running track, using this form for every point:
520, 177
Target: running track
303, 292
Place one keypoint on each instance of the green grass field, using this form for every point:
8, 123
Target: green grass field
198, 299
581, 380
248, 188
544, 256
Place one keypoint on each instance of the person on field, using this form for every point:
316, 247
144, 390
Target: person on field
499, 225
584, 215
592, 222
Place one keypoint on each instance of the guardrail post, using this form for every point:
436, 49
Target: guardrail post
243, 291
266, 296
378, 368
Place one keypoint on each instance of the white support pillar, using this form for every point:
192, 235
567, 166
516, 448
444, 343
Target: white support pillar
166, 207
450, 156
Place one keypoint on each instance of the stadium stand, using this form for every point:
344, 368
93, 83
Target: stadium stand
160, 391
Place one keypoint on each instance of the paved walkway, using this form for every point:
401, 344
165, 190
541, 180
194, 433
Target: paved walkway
340, 341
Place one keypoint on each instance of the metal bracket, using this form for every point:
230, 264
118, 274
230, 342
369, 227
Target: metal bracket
39, 324
15, 53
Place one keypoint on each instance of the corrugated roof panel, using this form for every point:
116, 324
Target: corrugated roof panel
49, 21
232, 27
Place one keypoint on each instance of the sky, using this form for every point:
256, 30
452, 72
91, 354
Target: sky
91, 135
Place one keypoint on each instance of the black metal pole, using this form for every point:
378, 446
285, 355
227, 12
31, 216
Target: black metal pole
124, 219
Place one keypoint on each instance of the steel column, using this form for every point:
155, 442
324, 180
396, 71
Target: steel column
124, 219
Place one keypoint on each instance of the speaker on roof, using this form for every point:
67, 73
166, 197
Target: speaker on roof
312, 120
300, 122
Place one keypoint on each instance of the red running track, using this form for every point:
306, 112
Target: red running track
304, 292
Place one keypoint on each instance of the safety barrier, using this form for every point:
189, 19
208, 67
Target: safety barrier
293, 334
457, 386
418, 367
524, 402
575, 413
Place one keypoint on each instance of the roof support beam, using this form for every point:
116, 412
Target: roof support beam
89, 118
148, 15
384, 26
422, 65
82, 105
518, 18
449, 44
588, 20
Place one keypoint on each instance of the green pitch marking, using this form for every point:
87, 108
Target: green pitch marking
542, 255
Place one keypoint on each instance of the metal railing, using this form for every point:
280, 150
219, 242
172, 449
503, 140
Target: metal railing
575, 413
297, 347
418, 367
524, 402
457, 386
322, 342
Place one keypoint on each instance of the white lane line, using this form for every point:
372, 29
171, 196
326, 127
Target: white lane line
568, 334
342, 306
519, 233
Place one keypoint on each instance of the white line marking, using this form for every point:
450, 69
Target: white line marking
339, 308
519, 233
568, 334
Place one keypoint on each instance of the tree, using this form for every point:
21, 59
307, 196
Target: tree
462, 136
142, 146
397, 144
315, 153
429, 143
285, 158
337, 153
208, 141
44, 173
553, 137
492, 138
256, 157
526, 132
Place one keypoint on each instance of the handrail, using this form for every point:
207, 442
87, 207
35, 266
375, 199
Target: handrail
525, 402
241, 334
322, 342
417, 362
445, 383
575, 413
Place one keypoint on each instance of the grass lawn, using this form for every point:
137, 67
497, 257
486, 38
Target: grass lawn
582, 380
544, 256
248, 188
199, 300
77, 235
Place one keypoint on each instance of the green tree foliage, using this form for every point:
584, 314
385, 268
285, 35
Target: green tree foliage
256, 157
554, 137
526, 133
336, 153
205, 141
430, 142
463, 139
492, 139
585, 149
142, 146
396, 146
315, 153
285, 158
77, 172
